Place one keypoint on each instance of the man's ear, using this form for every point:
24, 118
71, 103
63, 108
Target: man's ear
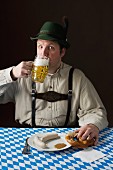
63, 51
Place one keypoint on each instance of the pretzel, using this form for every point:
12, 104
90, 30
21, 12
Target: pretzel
72, 139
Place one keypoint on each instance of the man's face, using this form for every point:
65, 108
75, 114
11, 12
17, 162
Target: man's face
51, 50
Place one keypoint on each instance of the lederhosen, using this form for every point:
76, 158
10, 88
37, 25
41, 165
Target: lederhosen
52, 96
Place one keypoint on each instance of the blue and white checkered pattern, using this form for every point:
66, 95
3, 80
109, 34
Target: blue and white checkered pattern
12, 141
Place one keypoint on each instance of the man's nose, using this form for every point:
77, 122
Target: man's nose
45, 52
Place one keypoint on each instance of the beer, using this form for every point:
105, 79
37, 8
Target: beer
40, 69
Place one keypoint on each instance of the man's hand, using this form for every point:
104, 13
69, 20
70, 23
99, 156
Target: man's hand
88, 131
22, 70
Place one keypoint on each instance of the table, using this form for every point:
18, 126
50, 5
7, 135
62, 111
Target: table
12, 141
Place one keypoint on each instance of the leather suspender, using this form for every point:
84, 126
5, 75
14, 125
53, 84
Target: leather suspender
33, 103
70, 81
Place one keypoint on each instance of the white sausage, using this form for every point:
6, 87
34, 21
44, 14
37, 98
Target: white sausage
49, 136
39, 142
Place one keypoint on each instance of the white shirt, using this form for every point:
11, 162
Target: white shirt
86, 103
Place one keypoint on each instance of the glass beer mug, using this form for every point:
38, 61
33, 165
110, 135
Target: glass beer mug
40, 68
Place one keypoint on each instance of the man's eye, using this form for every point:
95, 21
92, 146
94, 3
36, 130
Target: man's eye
51, 48
40, 46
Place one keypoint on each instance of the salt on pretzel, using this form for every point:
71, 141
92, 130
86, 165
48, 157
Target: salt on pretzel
78, 143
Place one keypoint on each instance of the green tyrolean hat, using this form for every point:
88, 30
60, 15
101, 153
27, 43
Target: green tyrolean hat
54, 32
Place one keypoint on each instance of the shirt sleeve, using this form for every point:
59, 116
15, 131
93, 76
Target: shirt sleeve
5, 77
91, 108
6, 86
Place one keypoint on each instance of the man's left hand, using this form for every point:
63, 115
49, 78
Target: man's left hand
88, 132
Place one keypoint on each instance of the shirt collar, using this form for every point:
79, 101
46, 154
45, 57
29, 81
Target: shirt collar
58, 71
62, 71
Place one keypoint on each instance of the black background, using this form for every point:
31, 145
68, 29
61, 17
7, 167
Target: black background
90, 34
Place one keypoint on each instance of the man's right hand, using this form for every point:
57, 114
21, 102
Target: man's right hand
22, 70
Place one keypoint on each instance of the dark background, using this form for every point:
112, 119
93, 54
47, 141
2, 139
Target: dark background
90, 34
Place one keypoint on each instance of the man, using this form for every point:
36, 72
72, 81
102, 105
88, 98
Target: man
16, 86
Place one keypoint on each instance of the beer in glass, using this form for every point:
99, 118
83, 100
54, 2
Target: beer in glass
40, 69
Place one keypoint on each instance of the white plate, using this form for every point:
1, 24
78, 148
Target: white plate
50, 143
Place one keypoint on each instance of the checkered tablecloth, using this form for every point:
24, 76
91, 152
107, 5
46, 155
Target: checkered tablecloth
12, 142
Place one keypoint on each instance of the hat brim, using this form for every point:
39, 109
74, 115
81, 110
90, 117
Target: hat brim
51, 38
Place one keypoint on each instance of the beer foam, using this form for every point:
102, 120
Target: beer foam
41, 62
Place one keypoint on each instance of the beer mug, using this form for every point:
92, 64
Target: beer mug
40, 68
